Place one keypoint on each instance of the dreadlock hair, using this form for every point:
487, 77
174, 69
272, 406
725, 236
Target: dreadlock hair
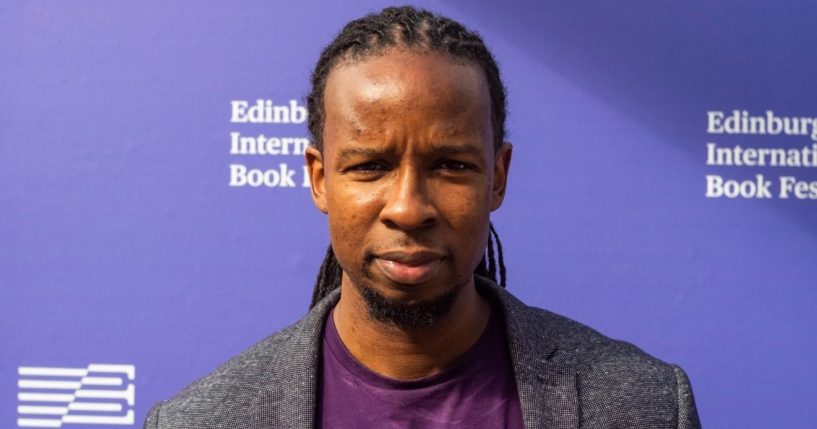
420, 30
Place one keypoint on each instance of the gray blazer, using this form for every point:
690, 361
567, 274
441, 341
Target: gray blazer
568, 376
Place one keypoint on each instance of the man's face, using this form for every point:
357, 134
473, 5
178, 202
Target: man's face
408, 174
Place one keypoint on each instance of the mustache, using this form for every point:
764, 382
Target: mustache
398, 244
402, 243
426, 241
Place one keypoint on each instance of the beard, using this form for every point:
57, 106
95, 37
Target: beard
409, 315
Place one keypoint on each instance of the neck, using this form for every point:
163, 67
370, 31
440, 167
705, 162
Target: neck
406, 354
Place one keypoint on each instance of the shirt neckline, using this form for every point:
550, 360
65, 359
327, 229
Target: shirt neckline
465, 364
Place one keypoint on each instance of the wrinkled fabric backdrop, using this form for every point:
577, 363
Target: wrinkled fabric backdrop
138, 229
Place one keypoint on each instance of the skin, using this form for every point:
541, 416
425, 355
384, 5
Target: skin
408, 177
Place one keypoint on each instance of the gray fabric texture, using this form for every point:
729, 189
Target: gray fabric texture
567, 375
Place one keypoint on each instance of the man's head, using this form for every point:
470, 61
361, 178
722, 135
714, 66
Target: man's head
407, 114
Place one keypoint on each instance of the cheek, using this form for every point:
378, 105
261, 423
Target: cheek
465, 207
467, 212
352, 211
348, 203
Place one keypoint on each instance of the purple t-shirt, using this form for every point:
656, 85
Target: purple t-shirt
478, 391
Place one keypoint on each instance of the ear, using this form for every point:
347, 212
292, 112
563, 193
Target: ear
502, 164
317, 177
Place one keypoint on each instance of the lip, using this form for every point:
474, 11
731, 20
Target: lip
409, 267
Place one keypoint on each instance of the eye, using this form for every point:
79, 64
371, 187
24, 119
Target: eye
453, 165
368, 167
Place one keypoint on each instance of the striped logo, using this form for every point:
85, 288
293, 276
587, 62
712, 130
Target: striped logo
100, 394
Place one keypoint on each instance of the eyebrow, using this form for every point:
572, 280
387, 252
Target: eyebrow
444, 149
457, 149
360, 152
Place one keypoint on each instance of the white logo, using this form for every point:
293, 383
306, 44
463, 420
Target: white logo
50, 397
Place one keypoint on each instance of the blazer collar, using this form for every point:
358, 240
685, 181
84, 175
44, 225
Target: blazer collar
547, 389
548, 392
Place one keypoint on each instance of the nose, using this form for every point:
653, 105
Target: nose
408, 205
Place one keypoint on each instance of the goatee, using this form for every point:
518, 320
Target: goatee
409, 315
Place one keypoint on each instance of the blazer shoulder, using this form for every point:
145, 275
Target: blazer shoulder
225, 397
243, 371
615, 376
562, 340
581, 346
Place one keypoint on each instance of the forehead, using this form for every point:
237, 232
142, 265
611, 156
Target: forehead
408, 89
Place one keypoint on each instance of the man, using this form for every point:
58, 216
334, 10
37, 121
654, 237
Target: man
408, 327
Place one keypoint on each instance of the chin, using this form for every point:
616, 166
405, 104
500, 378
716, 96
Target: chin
409, 313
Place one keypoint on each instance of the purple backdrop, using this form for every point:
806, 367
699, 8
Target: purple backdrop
122, 240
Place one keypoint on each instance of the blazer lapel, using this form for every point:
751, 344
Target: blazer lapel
548, 391
289, 399
547, 394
